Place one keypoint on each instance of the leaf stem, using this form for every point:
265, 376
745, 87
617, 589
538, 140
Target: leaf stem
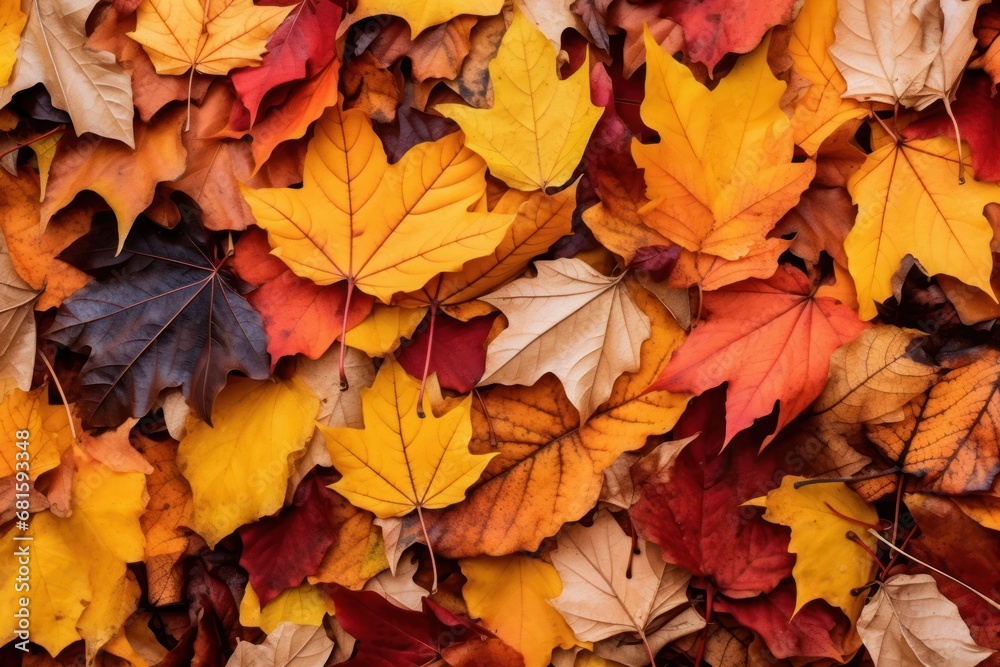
344, 385
430, 550
958, 140
57, 128
853, 537
489, 420
931, 567
847, 480
703, 641
427, 361
649, 651
62, 394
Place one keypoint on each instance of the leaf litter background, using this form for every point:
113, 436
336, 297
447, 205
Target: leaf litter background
473, 333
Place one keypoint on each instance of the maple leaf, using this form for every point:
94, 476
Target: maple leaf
454, 351
381, 332
912, 53
423, 463
689, 503
89, 85
567, 304
209, 37
828, 565
911, 203
17, 322
722, 174
125, 178
717, 27
303, 605
949, 437
48, 425
168, 286
422, 16
770, 340
909, 622
298, 49
535, 134
402, 251
821, 108
266, 422
436, 53
550, 467
512, 595
629, 585
80, 587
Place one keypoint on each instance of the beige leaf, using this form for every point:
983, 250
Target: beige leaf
909, 623
17, 323
875, 375
911, 51
571, 321
89, 85
288, 645
399, 587
396, 539
600, 599
551, 17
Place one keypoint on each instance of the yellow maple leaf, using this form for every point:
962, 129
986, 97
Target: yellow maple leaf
827, 564
303, 605
911, 203
821, 109
12, 21
238, 469
722, 174
209, 36
535, 134
511, 595
383, 228
79, 586
422, 15
399, 461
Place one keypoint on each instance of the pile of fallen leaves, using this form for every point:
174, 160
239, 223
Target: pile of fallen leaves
478, 333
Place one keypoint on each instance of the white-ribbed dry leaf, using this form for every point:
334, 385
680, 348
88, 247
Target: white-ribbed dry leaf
908, 623
909, 51
288, 645
552, 17
599, 599
569, 320
399, 587
17, 323
89, 85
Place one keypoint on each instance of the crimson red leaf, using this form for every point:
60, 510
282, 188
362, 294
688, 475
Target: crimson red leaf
692, 509
280, 551
458, 351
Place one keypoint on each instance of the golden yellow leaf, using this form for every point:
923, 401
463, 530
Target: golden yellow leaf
722, 174
384, 228
79, 585
511, 595
379, 334
535, 134
358, 553
827, 564
211, 36
48, 426
820, 110
422, 15
911, 203
238, 469
12, 21
399, 461
302, 605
